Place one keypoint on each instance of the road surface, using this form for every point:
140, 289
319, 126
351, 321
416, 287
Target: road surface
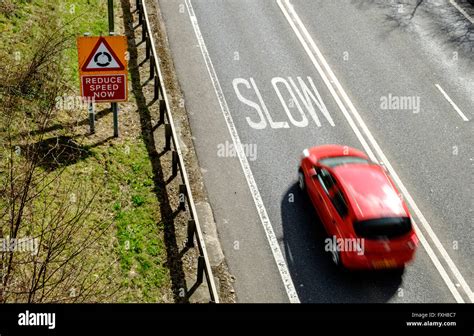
273, 77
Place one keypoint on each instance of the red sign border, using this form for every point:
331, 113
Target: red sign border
89, 58
107, 100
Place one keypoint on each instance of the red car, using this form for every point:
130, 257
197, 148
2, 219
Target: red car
368, 223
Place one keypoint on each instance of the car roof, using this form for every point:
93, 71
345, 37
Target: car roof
370, 191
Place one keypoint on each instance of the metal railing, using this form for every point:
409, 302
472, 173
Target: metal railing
172, 143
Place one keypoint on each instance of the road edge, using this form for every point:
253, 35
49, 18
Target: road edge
218, 262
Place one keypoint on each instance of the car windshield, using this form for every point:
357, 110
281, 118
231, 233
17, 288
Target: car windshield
342, 160
383, 227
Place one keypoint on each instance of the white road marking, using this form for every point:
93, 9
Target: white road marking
453, 104
273, 124
307, 94
298, 123
463, 12
272, 240
255, 125
359, 136
293, 19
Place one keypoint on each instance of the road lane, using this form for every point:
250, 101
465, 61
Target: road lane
241, 234
431, 148
245, 46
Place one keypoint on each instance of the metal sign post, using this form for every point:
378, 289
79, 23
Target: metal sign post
115, 112
113, 106
91, 116
91, 110
111, 15
103, 70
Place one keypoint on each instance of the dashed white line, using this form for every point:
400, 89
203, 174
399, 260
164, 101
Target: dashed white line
453, 104
272, 240
313, 51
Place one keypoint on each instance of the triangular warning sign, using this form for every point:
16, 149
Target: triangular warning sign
102, 58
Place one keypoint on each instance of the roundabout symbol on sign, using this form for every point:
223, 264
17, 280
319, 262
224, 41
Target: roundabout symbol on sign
102, 59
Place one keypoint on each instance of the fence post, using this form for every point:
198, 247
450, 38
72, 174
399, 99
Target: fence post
140, 14
162, 111
144, 32
175, 160
182, 197
191, 231
156, 88
167, 136
147, 48
152, 67
200, 270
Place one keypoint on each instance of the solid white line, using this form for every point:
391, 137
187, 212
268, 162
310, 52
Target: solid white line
392, 171
379, 151
453, 104
328, 84
272, 240
463, 12
356, 130
184, 174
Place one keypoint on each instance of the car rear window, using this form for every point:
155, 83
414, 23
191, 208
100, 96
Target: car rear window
391, 227
342, 160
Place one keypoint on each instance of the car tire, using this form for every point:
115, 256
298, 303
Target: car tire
301, 182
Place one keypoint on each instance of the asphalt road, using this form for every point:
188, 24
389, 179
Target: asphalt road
238, 60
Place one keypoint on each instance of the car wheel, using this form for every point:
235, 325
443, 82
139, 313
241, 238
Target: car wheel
301, 182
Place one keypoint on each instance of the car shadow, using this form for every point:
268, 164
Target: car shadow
316, 278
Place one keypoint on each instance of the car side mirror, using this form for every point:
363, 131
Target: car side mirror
313, 173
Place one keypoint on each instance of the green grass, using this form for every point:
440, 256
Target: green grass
122, 171
129, 195
32, 18
122, 175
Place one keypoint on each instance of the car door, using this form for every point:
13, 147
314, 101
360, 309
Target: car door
339, 211
322, 184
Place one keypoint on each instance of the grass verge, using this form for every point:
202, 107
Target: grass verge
129, 260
